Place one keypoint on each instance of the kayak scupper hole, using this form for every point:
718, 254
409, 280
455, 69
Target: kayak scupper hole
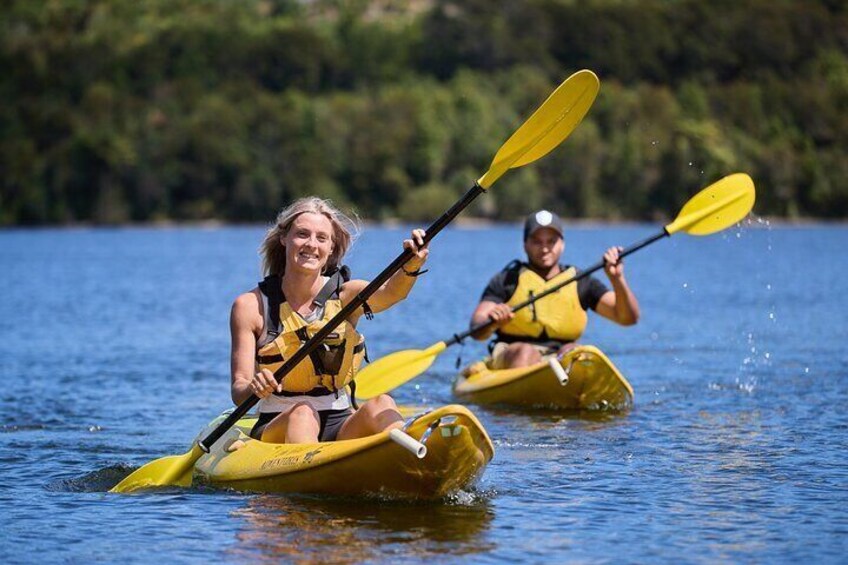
450, 430
450, 427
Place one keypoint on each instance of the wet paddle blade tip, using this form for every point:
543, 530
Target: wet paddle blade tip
175, 470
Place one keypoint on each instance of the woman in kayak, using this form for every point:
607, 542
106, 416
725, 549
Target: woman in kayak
305, 286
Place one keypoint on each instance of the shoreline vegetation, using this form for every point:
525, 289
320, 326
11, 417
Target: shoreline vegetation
202, 111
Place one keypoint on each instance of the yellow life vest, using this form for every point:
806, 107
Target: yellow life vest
333, 364
556, 317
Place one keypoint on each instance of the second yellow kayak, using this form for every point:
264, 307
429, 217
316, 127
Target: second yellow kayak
587, 380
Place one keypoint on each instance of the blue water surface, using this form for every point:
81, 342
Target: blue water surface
114, 351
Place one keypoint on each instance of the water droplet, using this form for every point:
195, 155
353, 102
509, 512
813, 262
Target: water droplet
768, 287
685, 285
768, 355
747, 387
654, 336
690, 163
771, 315
806, 369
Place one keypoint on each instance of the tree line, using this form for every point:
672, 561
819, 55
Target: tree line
151, 110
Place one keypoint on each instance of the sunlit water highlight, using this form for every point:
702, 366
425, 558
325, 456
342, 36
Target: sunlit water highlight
114, 352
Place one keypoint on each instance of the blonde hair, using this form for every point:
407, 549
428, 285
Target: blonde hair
345, 231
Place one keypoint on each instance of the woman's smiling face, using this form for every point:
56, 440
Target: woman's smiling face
308, 242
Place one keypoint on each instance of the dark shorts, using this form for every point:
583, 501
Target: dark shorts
331, 422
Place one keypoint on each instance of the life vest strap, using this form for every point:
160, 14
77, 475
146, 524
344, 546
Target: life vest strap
352, 385
542, 339
269, 359
317, 391
271, 287
333, 286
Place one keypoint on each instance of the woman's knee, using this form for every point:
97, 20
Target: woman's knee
378, 414
380, 411
303, 415
382, 402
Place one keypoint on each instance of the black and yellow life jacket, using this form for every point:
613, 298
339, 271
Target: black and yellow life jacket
557, 317
333, 364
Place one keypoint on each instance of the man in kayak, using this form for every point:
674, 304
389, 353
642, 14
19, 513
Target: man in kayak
305, 286
554, 323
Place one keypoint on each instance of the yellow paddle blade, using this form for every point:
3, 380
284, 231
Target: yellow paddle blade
175, 470
389, 372
716, 207
549, 125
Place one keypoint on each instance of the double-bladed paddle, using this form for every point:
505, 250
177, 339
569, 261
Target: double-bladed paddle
549, 125
713, 209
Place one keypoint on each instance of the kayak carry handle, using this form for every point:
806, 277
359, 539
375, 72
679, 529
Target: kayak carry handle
556, 367
409, 443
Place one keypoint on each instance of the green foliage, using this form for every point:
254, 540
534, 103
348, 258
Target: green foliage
426, 202
197, 109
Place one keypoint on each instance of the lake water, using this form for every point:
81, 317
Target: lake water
114, 352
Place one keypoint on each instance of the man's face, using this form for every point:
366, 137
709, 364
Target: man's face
543, 248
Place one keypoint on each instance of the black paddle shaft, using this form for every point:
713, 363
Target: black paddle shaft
457, 338
360, 299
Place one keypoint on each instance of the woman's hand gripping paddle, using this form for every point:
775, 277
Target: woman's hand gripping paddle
715, 208
549, 125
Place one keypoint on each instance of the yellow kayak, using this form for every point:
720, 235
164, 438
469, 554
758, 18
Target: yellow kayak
457, 451
584, 379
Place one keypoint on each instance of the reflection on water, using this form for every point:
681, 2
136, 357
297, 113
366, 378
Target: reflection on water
274, 529
548, 416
